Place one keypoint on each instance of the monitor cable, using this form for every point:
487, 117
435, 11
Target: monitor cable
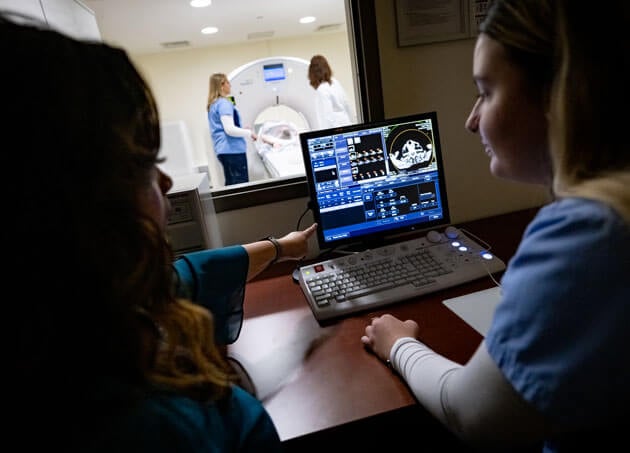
296, 272
488, 247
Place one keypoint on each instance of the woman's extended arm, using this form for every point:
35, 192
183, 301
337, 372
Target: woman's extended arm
293, 246
231, 129
216, 278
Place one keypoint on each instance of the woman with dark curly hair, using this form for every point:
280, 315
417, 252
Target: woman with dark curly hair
108, 355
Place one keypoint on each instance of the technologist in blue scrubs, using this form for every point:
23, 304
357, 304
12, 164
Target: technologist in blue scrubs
228, 136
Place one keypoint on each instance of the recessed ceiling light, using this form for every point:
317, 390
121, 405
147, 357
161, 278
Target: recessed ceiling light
200, 3
209, 30
307, 20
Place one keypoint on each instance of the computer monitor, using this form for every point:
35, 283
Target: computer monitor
368, 182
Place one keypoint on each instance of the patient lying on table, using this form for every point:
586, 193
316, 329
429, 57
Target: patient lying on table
277, 134
279, 148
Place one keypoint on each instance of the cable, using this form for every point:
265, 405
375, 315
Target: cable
297, 228
490, 274
323, 253
477, 238
488, 247
308, 208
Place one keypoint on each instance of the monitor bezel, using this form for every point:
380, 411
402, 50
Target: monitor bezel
378, 237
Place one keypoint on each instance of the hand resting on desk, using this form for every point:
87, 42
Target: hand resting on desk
450, 391
383, 332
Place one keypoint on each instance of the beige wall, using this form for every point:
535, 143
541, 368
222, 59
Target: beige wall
439, 77
179, 80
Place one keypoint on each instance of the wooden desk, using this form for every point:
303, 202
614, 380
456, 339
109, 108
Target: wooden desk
314, 379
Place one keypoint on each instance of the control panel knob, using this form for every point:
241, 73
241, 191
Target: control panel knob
434, 236
451, 232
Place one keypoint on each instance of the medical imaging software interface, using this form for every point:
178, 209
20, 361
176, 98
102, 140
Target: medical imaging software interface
377, 179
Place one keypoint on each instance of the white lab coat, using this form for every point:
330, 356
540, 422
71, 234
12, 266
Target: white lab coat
331, 106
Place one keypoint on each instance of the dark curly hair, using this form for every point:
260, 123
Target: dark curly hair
94, 272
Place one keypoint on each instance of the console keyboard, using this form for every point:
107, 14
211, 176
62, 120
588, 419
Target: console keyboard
374, 278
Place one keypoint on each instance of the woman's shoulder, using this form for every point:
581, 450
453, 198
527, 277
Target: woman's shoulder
578, 206
169, 422
220, 102
335, 83
572, 216
325, 86
238, 410
254, 421
240, 420
337, 87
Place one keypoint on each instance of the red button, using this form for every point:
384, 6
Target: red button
319, 268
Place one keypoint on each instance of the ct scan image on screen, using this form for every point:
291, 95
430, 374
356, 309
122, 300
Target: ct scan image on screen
371, 180
410, 149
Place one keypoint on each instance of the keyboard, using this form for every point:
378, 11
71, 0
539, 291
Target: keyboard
374, 278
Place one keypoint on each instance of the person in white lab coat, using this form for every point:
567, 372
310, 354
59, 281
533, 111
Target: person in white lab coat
331, 102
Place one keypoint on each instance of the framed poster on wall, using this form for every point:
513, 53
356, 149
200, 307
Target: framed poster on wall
478, 11
428, 21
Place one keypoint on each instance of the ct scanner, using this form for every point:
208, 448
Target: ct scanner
274, 94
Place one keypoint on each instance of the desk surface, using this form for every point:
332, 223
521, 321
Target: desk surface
313, 378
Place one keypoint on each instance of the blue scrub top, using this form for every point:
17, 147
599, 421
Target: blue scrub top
222, 142
560, 333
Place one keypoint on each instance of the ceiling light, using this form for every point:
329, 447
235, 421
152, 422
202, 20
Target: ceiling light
307, 20
209, 30
200, 3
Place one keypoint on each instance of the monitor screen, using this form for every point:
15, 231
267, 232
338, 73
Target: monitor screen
273, 72
370, 181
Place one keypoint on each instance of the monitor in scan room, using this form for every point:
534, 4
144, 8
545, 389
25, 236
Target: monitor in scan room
273, 72
370, 181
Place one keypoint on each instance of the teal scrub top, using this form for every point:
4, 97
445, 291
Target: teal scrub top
162, 422
216, 279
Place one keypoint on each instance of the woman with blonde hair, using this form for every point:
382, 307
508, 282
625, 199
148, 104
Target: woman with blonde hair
228, 137
552, 370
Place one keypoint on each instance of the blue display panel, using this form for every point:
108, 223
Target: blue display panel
273, 72
370, 181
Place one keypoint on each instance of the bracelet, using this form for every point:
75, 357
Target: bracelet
276, 244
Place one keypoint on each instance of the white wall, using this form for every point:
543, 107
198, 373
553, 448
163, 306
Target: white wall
273, 219
72, 17
68, 16
29, 7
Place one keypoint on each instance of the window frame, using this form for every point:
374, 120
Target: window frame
361, 22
